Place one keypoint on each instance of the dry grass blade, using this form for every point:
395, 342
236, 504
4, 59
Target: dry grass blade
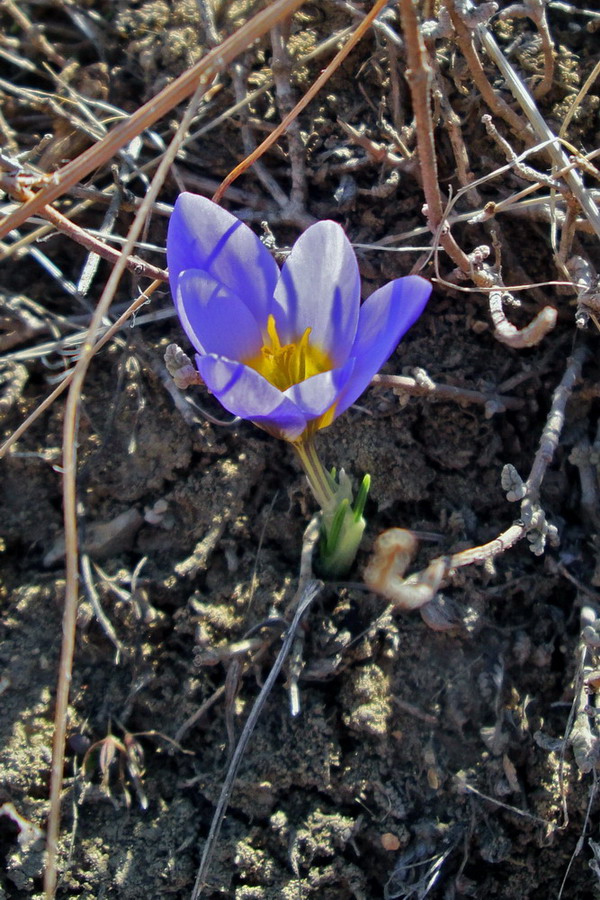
304, 598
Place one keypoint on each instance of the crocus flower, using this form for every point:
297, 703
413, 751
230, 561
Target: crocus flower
289, 350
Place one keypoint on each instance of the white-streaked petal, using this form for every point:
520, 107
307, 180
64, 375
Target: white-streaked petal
319, 288
318, 394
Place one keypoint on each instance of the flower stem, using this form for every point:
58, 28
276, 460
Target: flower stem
342, 523
318, 478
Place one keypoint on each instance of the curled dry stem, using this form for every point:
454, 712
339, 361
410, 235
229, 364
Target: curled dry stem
519, 339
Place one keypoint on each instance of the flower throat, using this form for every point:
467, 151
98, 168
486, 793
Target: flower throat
288, 364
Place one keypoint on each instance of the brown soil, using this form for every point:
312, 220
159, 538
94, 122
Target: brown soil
422, 760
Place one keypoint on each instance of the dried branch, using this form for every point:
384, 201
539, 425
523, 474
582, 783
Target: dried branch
536, 11
544, 133
34, 33
464, 38
418, 75
426, 387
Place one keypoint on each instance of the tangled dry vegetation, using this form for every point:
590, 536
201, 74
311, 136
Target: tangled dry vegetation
154, 557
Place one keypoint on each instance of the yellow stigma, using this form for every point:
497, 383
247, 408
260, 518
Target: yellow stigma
288, 364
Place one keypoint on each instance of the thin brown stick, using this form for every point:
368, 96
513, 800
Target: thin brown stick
487, 551
81, 236
202, 709
461, 157
312, 91
498, 106
91, 243
419, 76
203, 72
34, 33
70, 499
545, 84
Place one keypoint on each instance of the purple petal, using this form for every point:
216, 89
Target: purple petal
319, 288
204, 236
214, 318
318, 394
384, 317
245, 393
